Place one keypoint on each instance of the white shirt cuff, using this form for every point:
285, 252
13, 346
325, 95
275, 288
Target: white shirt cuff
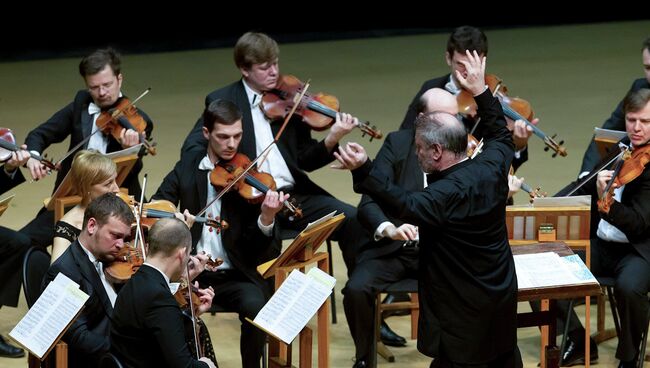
583, 174
266, 229
379, 233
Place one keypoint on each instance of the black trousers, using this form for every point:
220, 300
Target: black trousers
349, 234
236, 292
367, 279
13, 246
508, 360
41, 229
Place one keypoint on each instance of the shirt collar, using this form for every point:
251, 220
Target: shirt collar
94, 109
91, 256
254, 98
206, 164
162, 273
451, 86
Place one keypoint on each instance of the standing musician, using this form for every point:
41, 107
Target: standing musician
461, 39
246, 243
13, 248
101, 71
467, 283
147, 325
256, 56
93, 174
393, 255
622, 246
616, 121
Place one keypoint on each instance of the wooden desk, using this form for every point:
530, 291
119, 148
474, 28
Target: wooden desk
550, 356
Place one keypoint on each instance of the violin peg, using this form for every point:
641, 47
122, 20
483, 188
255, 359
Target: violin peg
561, 143
545, 149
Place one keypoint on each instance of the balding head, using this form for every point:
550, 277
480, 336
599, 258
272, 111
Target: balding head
437, 99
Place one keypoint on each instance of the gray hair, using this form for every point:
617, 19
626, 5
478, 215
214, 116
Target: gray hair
442, 128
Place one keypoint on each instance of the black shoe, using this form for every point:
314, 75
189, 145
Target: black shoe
9, 351
389, 337
360, 363
396, 298
630, 364
574, 353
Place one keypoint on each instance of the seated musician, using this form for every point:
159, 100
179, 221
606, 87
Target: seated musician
14, 246
257, 58
245, 244
616, 121
622, 247
147, 325
461, 39
101, 72
93, 174
393, 255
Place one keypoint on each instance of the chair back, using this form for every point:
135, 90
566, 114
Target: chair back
35, 265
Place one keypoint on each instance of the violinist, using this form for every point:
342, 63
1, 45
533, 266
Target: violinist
101, 72
13, 247
257, 58
248, 240
622, 246
94, 174
106, 225
461, 39
147, 326
616, 121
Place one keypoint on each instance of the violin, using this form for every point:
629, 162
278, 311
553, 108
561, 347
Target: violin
252, 186
318, 111
628, 168
124, 116
8, 146
125, 264
154, 210
513, 107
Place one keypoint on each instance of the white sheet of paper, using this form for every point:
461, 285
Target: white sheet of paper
549, 269
295, 303
52, 312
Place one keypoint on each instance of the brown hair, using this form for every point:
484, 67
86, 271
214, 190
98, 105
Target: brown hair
255, 48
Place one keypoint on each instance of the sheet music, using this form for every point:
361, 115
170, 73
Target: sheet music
549, 269
609, 134
294, 303
320, 220
48, 318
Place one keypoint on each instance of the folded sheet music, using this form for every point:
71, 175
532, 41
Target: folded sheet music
50, 316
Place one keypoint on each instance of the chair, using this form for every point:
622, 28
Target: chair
286, 234
35, 265
110, 361
644, 341
402, 286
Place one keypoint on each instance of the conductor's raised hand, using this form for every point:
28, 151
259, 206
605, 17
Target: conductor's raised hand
474, 82
351, 156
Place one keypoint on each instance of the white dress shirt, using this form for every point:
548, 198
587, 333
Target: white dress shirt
99, 266
609, 232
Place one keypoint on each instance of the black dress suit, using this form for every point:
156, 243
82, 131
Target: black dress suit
147, 328
13, 246
467, 280
616, 121
87, 337
301, 153
628, 263
385, 261
73, 121
241, 289
412, 113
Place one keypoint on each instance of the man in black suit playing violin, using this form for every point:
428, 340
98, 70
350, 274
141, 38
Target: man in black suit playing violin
461, 39
101, 71
257, 58
246, 243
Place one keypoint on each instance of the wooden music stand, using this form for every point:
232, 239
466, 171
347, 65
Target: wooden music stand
572, 226
66, 194
606, 140
4, 203
298, 255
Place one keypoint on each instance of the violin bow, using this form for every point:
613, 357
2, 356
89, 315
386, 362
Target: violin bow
189, 295
262, 156
624, 149
83, 141
138, 229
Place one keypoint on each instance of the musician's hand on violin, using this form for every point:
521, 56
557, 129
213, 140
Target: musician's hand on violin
601, 181
196, 264
17, 159
514, 184
129, 138
474, 81
273, 203
205, 297
521, 132
36, 169
351, 156
186, 217
403, 232
343, 125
